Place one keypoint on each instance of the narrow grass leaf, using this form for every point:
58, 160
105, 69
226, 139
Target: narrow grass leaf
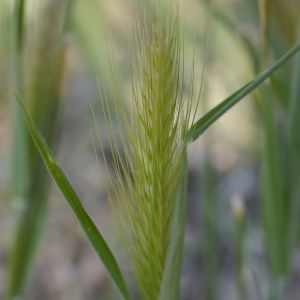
213, 115
294, 104
273, 201
294, 150
90, 229
19, 164
211, 231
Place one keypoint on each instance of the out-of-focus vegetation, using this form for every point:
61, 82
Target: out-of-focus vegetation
242, 227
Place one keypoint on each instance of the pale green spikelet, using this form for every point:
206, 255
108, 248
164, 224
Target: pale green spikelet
153, 142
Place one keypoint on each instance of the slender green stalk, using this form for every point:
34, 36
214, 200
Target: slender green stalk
210, 218
38, 81
6, 39
25, 240
294, 150
20, 166
209, 214
274, 206
20, 172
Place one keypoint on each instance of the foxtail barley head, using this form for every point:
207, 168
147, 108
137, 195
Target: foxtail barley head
154, 146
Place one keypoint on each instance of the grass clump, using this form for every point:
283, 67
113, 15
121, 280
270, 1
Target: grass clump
151, 168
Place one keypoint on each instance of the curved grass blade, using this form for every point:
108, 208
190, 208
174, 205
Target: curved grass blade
213, 115
86, 223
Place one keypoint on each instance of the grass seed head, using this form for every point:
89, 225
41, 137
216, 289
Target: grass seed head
154, 146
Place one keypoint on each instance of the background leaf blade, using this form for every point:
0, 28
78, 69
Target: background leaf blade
213, 115
90, 229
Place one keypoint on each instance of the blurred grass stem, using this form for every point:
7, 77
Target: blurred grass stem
274, 206
40, 85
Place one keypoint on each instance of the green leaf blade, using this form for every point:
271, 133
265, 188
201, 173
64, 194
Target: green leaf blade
294, 149
90, 229
213, 115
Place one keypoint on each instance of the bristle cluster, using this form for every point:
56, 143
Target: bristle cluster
153, 142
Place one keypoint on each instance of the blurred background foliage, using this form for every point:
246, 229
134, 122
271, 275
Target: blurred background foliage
242, 233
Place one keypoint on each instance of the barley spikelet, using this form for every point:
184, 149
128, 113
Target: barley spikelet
154, 146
